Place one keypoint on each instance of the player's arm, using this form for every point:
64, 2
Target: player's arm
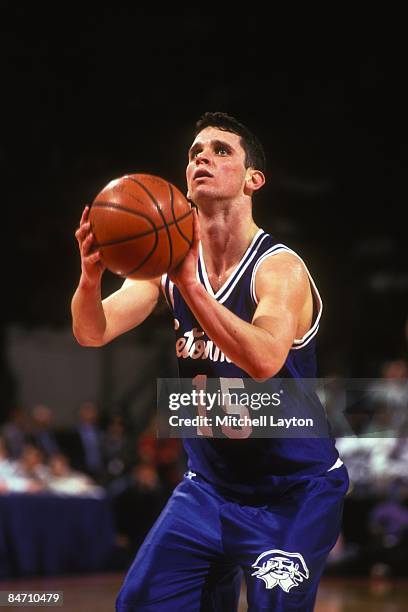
260, 347
96, 322
283, 290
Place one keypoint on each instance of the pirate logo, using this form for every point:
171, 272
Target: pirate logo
277, 567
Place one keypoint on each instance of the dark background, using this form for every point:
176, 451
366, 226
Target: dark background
93, 94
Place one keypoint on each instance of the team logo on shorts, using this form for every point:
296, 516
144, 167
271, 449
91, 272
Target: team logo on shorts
277, 567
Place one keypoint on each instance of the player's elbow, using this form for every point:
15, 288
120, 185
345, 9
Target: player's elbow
265, 369
85, 340
263, 374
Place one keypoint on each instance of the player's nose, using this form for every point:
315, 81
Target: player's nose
202, 157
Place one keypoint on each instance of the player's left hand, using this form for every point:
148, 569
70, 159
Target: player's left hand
185, 274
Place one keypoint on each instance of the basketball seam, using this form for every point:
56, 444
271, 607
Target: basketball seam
120, 207
141, 235
152, 250
189, 242
160, 213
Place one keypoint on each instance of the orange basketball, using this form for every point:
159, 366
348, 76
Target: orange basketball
143, 226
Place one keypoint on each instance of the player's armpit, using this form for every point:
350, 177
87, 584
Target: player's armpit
283, 291
129, 306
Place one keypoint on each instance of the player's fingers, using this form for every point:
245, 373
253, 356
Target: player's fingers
89, 261
79, 235
86, 245
84, 216
94, 257
82, 232
84, 226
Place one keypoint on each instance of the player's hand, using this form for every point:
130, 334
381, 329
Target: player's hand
91, 264
185, 274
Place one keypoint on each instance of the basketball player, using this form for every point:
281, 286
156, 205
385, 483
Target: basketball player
270, 508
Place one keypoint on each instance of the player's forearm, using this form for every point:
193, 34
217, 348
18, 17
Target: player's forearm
251, 348
88, 317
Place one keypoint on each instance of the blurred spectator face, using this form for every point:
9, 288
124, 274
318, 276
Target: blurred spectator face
116, 427
19, 417
169, 451
146, 448
146, 477
396, 369
59, 465
88, 413
42, 416
31, 457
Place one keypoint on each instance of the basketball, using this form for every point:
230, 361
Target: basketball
142, 224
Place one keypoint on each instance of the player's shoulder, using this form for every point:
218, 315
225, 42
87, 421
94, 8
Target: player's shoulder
284, 263
280, 270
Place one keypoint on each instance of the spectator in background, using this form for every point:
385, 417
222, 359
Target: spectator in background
11, 478
140, 494
117, 449
32, 464
63, 480
166, 454
15, 432
138, 504
375, 523
83, 444
378, 454
42, 432
30, 474
27, 474
388, 399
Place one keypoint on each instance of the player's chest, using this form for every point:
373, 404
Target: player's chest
217, 281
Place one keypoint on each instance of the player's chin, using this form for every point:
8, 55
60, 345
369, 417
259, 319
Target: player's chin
202, 194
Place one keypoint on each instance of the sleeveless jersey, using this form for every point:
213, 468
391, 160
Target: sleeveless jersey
253, 467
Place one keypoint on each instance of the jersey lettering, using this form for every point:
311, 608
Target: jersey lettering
192, 345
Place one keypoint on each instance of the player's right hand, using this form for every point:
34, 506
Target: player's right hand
91, 264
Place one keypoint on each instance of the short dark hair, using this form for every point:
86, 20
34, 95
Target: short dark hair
254, 151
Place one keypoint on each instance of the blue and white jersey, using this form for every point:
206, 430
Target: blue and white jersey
253, 466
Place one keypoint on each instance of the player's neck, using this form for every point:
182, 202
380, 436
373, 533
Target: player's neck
226, 234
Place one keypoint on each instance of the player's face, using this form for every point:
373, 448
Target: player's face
216, 166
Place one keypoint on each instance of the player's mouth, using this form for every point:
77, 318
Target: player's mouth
201, 174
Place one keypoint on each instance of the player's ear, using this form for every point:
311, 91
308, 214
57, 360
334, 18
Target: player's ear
254, 180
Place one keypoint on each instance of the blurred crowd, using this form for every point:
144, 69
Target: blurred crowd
107, 458
370, 423
99, 458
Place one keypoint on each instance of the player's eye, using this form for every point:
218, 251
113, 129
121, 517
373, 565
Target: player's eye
220, 150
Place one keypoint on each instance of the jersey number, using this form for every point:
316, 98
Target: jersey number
238, 411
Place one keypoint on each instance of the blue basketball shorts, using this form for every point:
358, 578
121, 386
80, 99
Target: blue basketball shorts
202, 545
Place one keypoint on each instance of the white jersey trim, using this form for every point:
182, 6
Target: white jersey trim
235, 276
281, 248
338, 464
163, 286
